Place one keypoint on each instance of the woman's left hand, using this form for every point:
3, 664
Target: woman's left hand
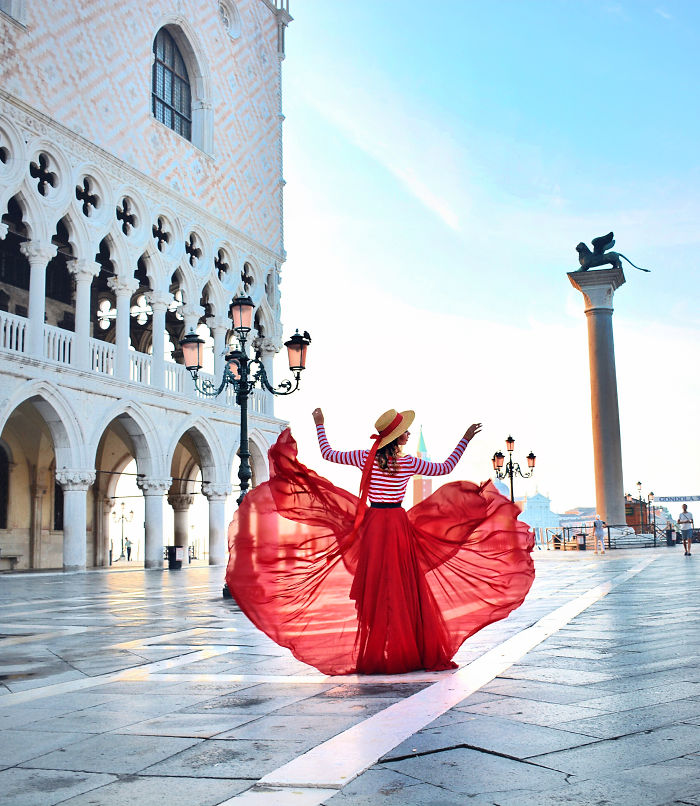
472, 431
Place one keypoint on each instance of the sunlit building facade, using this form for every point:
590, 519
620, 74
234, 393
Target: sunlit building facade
140, 189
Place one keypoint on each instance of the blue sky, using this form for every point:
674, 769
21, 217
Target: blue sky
442, 162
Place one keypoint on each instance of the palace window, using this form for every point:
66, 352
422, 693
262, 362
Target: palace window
172, 97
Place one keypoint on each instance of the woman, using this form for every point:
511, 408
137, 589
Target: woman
350, 588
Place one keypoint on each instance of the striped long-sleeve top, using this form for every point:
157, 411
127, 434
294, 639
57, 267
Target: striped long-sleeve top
388, 487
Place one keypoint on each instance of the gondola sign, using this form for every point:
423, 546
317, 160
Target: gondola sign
677, 498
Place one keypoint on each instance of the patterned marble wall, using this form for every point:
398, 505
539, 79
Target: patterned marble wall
87, 64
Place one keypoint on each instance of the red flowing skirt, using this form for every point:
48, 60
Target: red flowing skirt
401, 593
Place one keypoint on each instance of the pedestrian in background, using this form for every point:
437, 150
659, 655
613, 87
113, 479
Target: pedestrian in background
685, 521
599, 534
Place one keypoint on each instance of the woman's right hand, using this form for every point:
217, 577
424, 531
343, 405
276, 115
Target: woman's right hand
317, 414
472, 431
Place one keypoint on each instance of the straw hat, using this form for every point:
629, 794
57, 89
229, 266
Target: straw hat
392, 424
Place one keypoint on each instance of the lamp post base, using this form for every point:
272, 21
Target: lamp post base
225, 592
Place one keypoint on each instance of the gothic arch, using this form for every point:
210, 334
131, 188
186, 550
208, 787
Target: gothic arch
143, 434
208, 447
66, 434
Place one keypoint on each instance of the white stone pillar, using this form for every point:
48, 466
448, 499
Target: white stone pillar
267, 348
219, 328
153, 492
38, 255
181, 509
75, 484
84, 272
159, 302
598, 287
218, 528
123, 289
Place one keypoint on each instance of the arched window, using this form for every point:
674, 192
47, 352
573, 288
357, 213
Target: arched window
172, 98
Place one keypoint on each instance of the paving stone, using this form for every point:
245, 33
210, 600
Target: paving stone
46, 787
608, 726
133, 790
626, 752
537, 713
470, 772
279, 726
537, 690
187, 725
493, 734
230, 759
113, 753
22, 745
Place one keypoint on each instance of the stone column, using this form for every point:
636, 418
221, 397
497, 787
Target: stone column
219, 328
159, 302
38, 255
181, 508
84, 272
598, 288
153, 492
218, 528
75, 484
123, 289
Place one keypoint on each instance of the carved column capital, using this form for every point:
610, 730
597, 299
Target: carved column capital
597, 286
75, 478
218, 323
4, 229
181, 503
266, 345
159, 300
154, 486
215, 492
84, 269
123, 285
191, 315
37, 252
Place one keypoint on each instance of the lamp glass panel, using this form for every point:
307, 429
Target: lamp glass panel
242, 312
192, 354
510, 444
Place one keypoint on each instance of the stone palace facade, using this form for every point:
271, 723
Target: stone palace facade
140, 189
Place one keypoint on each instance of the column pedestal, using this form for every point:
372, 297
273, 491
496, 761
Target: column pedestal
598, 288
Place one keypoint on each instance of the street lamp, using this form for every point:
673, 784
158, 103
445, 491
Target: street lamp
124, 518
650, 501
511, 468
240, 374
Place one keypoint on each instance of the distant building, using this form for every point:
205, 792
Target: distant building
422, 485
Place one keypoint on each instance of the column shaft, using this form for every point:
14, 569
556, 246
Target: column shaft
218, 549
74, 529
158, 345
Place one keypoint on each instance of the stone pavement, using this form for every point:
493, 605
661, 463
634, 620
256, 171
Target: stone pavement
134, 687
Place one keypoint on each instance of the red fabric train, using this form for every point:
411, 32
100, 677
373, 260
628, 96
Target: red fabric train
400, 593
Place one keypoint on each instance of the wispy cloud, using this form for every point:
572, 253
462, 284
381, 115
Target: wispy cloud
663, 13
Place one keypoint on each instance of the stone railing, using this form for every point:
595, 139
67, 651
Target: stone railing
13, 331
102, 356
57, 344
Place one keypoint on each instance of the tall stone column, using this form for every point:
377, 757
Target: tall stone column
84, 272
75, 484
38, 255
123, 289
218, 528
181, 509
598, 287
159, 302
153, 492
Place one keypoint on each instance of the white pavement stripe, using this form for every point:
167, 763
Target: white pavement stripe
136, 672
332, 764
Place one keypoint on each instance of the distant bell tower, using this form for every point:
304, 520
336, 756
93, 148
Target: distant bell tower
422, 485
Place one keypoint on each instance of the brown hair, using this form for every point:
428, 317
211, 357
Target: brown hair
386, 456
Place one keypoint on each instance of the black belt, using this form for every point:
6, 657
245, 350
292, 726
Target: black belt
385, 504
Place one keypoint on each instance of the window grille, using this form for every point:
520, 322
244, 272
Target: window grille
172, 99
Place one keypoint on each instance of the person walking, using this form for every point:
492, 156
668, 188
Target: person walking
685, 522
377, 589
127, 545
599, 534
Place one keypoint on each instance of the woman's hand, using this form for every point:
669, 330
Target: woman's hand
317, 414
472, 431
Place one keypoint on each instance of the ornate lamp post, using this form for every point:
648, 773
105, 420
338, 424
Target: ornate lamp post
124, 518
650, 502
241, 373
511, 468
244, 373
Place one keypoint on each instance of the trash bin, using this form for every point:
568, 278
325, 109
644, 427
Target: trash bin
669, 537
581, 537
175, 557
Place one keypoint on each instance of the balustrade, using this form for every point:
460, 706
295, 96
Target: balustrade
102, 356
140, 368
13, 330
57, 344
